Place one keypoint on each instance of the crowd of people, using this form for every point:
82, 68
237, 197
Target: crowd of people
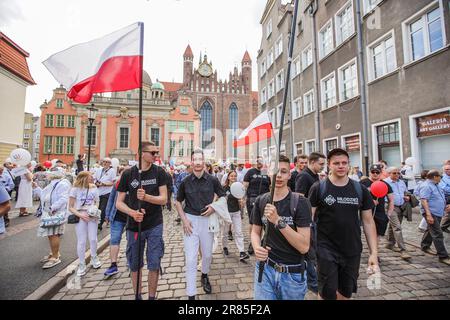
308, 237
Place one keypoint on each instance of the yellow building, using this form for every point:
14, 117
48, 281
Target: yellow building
15, 77
28, 132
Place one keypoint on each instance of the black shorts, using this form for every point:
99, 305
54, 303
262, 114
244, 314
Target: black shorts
381, 223
336, 273
250, 204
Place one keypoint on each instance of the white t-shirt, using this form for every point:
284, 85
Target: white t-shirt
80, 197
105, 176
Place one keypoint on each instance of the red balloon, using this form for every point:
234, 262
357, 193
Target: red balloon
379, 189
248, 165
47, 164
292, 166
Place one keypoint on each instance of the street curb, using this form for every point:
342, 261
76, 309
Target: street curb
52, 286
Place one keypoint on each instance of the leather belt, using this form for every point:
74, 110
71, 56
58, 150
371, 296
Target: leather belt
286, 269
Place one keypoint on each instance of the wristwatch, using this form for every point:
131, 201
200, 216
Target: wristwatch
281, 224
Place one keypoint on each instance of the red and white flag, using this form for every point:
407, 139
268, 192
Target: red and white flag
260, 129
108, 64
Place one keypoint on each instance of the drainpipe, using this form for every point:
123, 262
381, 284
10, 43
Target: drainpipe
291, 116
363, 87
313, 7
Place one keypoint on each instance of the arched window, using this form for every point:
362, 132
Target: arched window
206, 118
234, 126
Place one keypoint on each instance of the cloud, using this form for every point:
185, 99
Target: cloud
9, 12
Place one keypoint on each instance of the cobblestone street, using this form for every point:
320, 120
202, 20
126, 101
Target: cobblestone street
424, 277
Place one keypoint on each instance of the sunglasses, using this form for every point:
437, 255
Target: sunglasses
375, 172
153, 153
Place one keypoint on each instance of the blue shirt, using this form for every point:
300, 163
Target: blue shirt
445, 184
435, 197
7, 181
4, 196
399, 188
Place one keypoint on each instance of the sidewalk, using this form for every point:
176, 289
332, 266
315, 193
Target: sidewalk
421, 278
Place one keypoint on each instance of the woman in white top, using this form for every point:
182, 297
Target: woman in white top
54, 198
83, 203
353, 174
25, 197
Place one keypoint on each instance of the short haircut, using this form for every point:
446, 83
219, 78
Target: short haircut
315, 156
424, 174
337, 152
383, 162
197, 151
433, 173
145, 144
285, 159
302, 156
390, 169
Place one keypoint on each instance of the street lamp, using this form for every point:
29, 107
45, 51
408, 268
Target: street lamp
91, 117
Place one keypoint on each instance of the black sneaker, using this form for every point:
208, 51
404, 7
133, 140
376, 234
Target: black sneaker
243, 256
230, 236
225, 251
250, 249
191, 297
206, 285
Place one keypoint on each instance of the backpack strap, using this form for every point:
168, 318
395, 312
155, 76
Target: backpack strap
322, 188
359, 191
295, 198
264, 200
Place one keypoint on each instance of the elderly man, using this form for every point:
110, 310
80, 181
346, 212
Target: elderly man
395, 234
104, 179
433, 208
445, 185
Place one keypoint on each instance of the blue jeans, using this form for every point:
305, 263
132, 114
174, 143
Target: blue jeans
278, 285
311, 261
116, 230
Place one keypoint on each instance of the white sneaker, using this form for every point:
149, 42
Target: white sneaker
81, 269
95, 262
51, 263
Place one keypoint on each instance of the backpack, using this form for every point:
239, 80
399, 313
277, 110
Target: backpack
356, 186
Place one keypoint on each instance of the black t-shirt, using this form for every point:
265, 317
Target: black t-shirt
197, 193
292, 180
232, 202
281, 250
380, 210
258, 183
151, 180
305, 181
80, 165
338, 225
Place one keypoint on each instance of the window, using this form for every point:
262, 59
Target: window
26, 136
206, 119
345, 26
297, 108
382, 59
69, 145
71, 121
48, 144
59, 103
388, 136
388, 133
190, 125
172, 126
263, 95
271, 87
91, 135
60, 121
182, 126
348, 81
299, 148
270, 58
296, 67
49, 121
234, 126
328, 89
263, 67
181, 147
123, 139
272, 118
310, 146
190, 147
26, 145
27, 126
369, 5
154, 136
280, 80
307, 57
59, 145
172, 145
326, 40
128, 96
279, 47
330, 145
425, 35
269, 29
279, 111
308, 102
184, 110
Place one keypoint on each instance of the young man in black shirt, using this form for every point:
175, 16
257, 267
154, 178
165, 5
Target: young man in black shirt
198, 191
337, 202
301, 162
149, 187
289, 220
256, 182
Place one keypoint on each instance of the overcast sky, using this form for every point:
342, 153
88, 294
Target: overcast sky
224, 29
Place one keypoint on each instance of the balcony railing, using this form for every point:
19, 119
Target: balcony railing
153, 102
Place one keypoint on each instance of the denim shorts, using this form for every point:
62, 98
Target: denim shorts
155, 248
116, 230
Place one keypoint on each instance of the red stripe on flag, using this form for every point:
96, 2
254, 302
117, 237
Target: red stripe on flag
260, 133
115, 74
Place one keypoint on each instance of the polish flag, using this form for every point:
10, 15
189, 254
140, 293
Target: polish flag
260, 129
108, 64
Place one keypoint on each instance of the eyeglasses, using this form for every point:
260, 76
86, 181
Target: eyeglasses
375, 172
395, 173
153, 153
